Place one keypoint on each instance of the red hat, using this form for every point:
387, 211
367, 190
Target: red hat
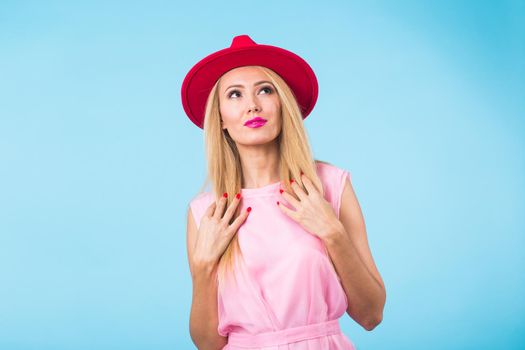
245, 52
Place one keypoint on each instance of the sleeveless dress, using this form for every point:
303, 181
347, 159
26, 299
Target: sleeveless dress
286, 293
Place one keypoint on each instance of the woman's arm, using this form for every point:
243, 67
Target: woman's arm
350, 253
204, 310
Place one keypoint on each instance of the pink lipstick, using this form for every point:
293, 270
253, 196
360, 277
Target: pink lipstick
256, 122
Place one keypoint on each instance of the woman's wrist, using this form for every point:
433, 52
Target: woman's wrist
204, 269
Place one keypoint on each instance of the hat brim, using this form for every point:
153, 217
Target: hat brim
293, 69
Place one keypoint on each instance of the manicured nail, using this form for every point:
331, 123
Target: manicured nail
281, 191
302, 172
225, 195
277, 202
249, 209
291, 181
238, 195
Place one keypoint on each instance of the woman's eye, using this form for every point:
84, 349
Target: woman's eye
267, 88
233, 92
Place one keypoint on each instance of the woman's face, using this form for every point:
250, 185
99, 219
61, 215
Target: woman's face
252, 95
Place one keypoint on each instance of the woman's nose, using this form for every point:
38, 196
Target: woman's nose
254, 108
253, 105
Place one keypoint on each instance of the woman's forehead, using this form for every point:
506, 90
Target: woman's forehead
243, 73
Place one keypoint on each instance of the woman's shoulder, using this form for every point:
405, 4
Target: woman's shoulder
333, 178
199, 203
328, 171
201, 197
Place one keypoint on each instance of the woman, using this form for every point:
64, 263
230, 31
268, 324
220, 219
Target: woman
277, 249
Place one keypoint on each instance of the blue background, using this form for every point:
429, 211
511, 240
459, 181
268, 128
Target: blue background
422, 101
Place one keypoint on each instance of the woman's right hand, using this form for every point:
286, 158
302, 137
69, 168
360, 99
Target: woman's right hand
215, 231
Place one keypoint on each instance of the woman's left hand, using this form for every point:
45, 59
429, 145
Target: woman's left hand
312, 211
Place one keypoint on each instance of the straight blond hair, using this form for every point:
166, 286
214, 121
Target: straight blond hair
223, 159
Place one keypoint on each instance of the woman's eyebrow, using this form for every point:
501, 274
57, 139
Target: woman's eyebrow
242, 86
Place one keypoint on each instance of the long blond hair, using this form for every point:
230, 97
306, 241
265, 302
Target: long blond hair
224, 165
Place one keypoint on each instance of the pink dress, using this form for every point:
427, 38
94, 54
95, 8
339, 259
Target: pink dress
288, 294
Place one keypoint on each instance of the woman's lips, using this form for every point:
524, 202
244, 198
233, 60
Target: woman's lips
255, 124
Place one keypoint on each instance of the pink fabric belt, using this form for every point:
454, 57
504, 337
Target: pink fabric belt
284, 336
